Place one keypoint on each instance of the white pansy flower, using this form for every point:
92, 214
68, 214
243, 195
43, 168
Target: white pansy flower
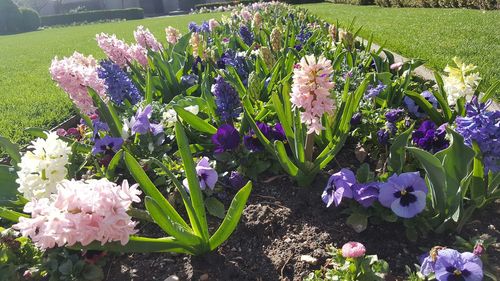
42, 168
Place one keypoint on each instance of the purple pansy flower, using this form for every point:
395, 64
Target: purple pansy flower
405, 194
226, 138
356, 119
98, 126
430, 138
142, 124
107, 144
454, 266
253, 143
414, 109
207, 175
383, 136
279, 133
236, 180
365, 193
339, 186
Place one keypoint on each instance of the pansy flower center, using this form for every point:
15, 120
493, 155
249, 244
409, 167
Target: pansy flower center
406, 196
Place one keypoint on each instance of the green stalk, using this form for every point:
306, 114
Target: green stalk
309, 147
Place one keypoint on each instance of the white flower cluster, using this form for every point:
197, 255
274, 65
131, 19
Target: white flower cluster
170, 116
460, 82
42, 168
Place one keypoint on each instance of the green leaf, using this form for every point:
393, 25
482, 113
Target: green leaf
491, 91
194, 184
138, 244
149, 88
168, 222
284, 160
358, 222
397, 151
363, 173
195, 121
66, 267
108, 113
477, 188
113, 164
232, 217
11, 149
150, 189
215, 207
426, 106
11, 215
436, 175
93, 272
8, 184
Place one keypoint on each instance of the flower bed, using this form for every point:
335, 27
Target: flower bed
269, 91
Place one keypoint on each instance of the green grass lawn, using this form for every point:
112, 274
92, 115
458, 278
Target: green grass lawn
436, 35
28, 96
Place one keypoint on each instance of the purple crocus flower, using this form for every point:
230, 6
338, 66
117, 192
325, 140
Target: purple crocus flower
394, 115
365, 193
142, 125
430, 138
405, 194
372, 92
107, 145
253, 143
236, 180
226, 138
454, 266
339, 186
206, 175
414, 109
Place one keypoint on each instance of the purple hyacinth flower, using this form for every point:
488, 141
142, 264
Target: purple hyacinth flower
119, 85
430, 138
454, 266
365, 193
205, 27
226, 138
339, 186
207, 175
252, 142
405, 194
142, 124
372, 92
227, 100
193, 27
414, 109
236, 180
107, 144
246, 35
394, 115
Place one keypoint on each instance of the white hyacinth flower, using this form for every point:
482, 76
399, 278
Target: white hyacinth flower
460, 82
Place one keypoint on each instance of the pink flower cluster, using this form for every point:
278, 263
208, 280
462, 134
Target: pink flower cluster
146, 39
74, 75
311, 91
81, 212
173, 35
120, 52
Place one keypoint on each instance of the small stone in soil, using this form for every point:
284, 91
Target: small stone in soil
172, 278
308, 259
204, 277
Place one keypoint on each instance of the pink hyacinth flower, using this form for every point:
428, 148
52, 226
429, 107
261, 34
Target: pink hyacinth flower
146, 39
353, 250
114, 48
139, 54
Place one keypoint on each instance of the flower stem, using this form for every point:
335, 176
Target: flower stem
309, 147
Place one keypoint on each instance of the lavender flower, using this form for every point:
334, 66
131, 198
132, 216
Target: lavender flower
483, 127
107, 145
454, 266
227, 100
207, 175
251, 141
339, 186
416, 110
226, 138
430, 138
394, 115
372, 92
119, 85
405, 194
246, 35
366, 193
142, 125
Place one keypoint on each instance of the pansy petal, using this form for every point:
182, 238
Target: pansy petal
472, 272
386, 195
412, 209
211, 179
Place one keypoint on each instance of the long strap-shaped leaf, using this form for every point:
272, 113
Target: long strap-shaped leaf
165, 220
194, 184
11, 215
232, 217
195, 121
11, 149
137, 244
150, 189
108, 113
